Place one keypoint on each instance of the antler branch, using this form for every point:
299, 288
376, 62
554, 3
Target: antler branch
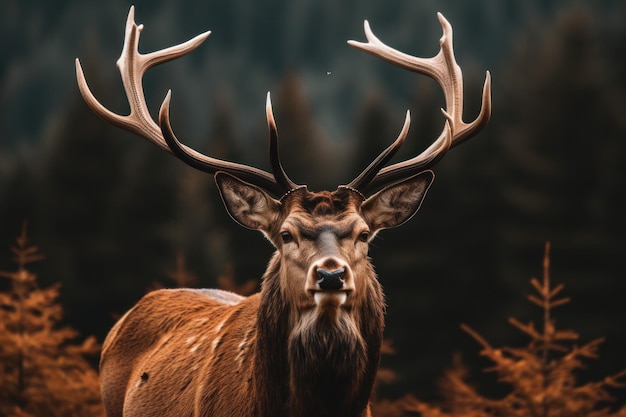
132, 66
443, 69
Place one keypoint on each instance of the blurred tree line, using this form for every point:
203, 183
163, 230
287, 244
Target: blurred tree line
112, 212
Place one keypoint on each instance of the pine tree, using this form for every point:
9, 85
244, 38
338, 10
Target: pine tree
43, 372
541, 377
563, 147
228, 248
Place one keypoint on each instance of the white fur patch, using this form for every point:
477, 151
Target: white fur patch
216, 342
330, 297
220, 325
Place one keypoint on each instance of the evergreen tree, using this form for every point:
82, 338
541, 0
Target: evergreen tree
557, 131
205, 232
84, 187
564, 157
374, 132
43, 371
541, 378
212, 242
241, 254
19, 194
110, 203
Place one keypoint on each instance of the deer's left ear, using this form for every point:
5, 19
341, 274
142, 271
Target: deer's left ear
396, 203
247, 204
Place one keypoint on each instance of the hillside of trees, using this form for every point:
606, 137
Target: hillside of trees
112, 213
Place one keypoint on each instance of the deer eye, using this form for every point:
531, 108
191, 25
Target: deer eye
286, 237
364, 236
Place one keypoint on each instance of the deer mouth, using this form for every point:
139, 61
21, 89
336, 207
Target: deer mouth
330, 297
330, 286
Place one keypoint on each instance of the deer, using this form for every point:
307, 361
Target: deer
307, 344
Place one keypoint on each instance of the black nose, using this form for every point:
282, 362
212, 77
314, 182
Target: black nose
331, 280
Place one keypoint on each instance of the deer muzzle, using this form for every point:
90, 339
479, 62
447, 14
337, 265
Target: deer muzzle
330, 280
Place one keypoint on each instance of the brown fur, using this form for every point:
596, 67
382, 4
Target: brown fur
212, 353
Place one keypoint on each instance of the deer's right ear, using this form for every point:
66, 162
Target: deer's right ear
247, 204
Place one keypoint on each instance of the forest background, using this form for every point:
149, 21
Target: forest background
112, 213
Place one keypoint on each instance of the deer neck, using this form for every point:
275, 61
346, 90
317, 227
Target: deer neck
316, 366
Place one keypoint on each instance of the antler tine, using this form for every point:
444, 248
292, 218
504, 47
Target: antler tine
132, 66
442, 68
211, 165
277, 169
370, 172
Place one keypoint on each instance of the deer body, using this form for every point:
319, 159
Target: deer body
200, 368
277, 353
309, 343
155, 363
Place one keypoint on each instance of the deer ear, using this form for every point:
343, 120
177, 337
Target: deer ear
247, 204
396, 203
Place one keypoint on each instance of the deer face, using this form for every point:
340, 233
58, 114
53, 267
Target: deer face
322, 238
323, 244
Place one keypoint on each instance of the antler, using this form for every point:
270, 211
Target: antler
132, 66
443, 69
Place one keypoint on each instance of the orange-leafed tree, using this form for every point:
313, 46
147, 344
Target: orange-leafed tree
43, 371
541, 377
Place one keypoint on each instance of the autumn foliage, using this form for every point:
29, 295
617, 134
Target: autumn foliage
541, 377
43, 371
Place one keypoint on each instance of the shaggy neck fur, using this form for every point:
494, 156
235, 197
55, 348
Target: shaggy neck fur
321, 366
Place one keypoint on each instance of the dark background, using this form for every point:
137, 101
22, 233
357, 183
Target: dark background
112, 212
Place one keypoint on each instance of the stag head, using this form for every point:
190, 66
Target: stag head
323, 237
310, 341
